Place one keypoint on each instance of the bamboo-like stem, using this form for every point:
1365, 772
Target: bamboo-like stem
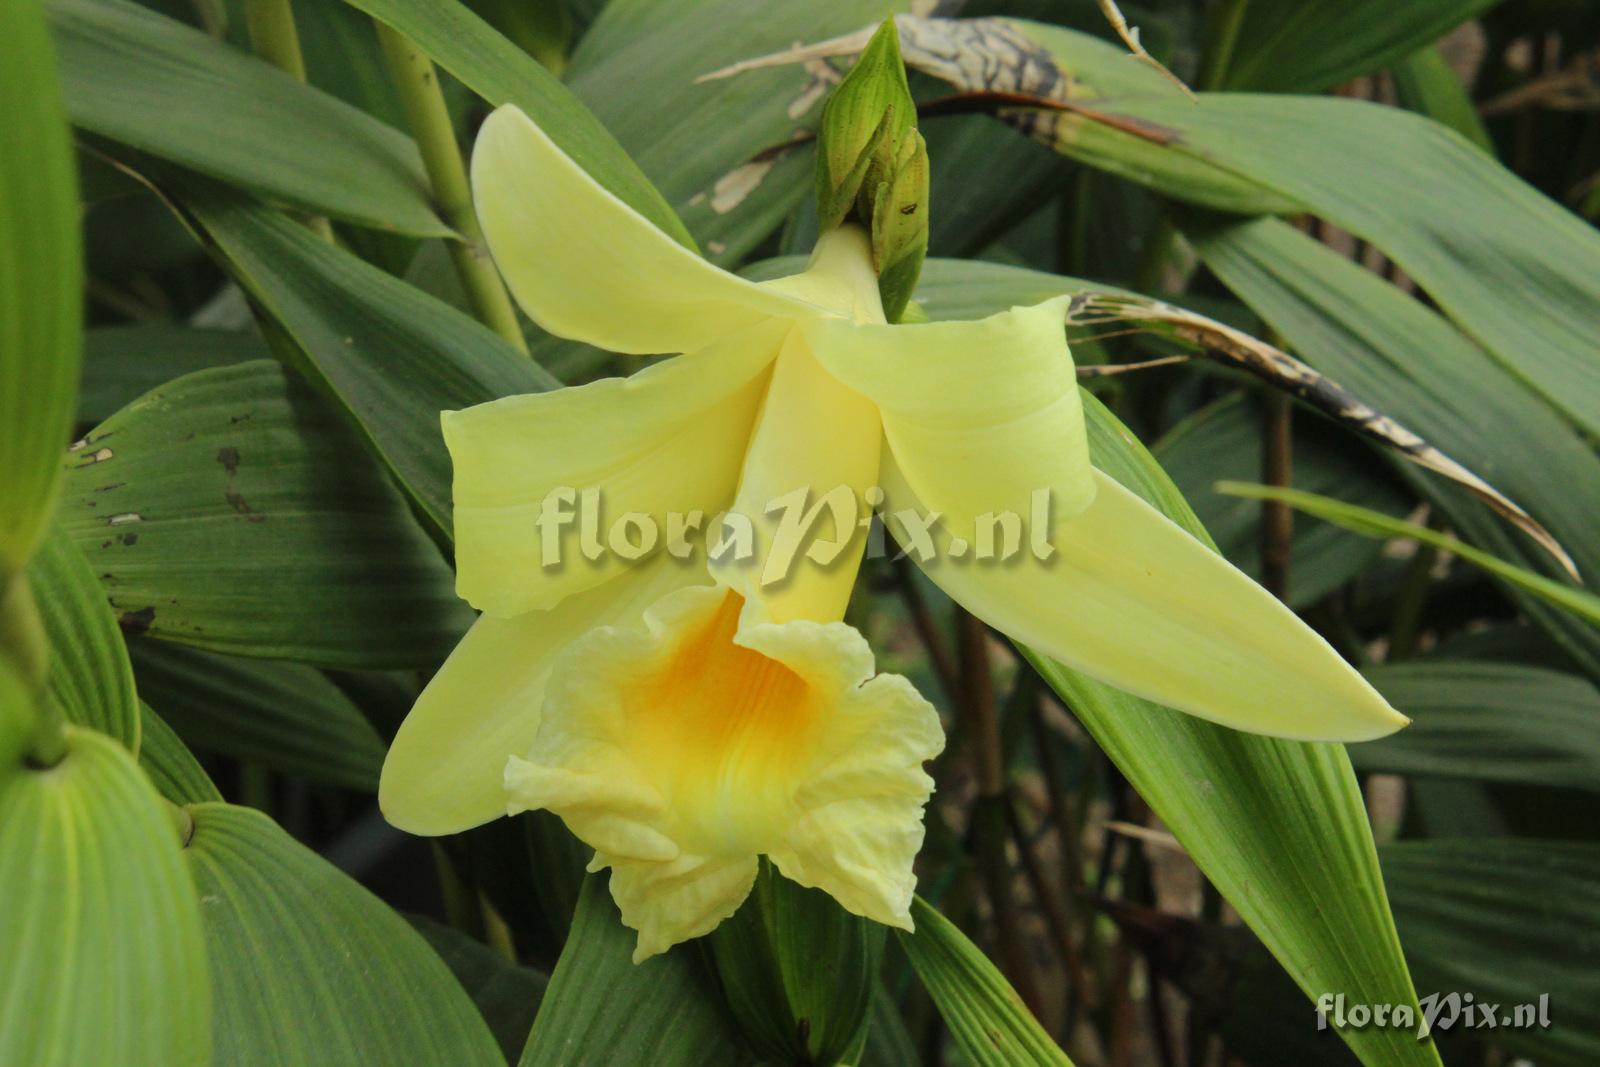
1056, 914
989, 813
1277, 521
927, 630
275, 39
429, 119
23, 642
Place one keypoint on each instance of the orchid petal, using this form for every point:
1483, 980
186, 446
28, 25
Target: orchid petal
444, 772
587, 266
980, 416
667, 439
1132, 599
814, 451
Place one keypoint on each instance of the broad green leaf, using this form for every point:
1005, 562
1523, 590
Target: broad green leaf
1488, 722
1310, 46
122, 363
1584, 605
637, 66
1506, 920
90, 679
988, 1020
1279, 827
101, 956
507, 994
888, 1041
41, 288
664, 1012
390, 355
309, 967
1428, 85
231, 510
171, 766
501, 73
1380, 343
151, 82
1224, 440
285, 716
1518, 273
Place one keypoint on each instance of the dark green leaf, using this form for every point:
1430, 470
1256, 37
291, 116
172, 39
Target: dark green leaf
664, 1012
285, 716
231, 510
309, 967
1379, 343
1507, 921
122, 363
164, 88
392, 356
171, 766
1425, 83
41, 289
507, 995
502, 73
1488, 722
101, 956
1311, 46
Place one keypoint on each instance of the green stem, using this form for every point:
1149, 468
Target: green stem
23, 642
275, 39
430, 124
1413, 598
182, 822
1219, 57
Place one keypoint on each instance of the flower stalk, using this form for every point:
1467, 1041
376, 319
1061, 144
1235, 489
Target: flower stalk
418, 85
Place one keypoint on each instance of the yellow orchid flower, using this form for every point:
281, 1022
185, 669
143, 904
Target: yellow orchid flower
686, 716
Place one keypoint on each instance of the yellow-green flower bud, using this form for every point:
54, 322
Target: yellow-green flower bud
872, 164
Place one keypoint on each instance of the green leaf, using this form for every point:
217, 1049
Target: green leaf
41, 288
1513, 269
390, 355
171, 766
231, 510
101, 957
90, 679
1308, 47
122, 363
1224, 440
798, 971
502, 73
987, 1018
285, 716
1380, 343
1279, 827
151, 82
664, 1012
638, 66
507, 995
1583, 605
1488, 722
309, 967
1425, 83
1506, 920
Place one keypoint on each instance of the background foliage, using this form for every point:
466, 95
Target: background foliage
225, 541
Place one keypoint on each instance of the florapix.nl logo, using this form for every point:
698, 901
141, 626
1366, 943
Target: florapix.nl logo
1434, 1012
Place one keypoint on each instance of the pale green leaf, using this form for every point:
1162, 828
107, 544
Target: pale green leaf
41, 289
90, 679
986, 1016
101, 956
309, 967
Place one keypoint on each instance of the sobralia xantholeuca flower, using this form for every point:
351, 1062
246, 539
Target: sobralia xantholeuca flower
686, 712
